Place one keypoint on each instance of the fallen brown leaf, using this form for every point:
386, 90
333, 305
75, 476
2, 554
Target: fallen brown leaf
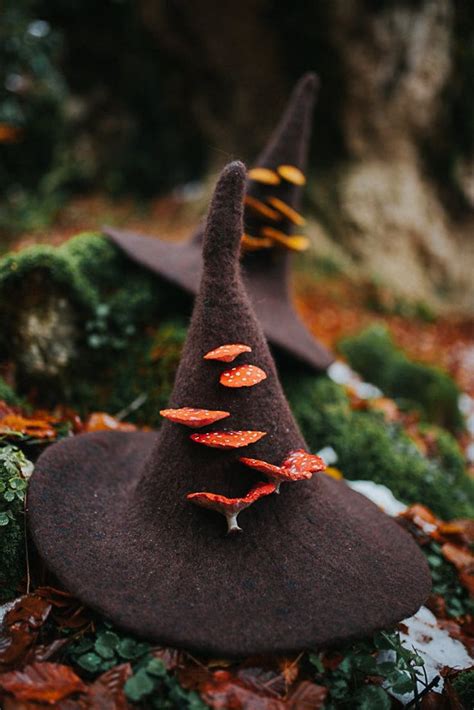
20, 629
461, 558
42, 682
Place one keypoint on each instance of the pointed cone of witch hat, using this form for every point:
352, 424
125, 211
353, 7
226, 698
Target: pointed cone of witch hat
114, 514
274, 189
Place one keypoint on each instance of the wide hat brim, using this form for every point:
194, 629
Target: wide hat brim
317, 565
181, 265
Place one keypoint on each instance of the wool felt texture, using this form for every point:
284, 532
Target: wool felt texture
266, 273
315, 565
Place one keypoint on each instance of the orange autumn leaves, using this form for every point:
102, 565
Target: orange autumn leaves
298, 465
45, 427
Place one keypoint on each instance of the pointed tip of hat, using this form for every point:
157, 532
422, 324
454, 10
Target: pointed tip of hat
309, 83
290, 140
224, 224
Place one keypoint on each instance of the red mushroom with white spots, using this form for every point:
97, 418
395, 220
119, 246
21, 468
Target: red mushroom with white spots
231, 507
242, 376
228, 439
298, 466
194, 417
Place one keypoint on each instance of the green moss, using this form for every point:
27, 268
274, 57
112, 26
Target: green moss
146, 367
17, 267
369, 448
67, 311
464, 686
414, 385
12, 557
13, 466
446, 582
7, 394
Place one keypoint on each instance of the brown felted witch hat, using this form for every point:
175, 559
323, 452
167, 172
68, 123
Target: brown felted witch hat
114, 514
273, 198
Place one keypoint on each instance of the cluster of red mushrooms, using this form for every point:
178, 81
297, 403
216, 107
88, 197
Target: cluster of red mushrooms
298, 465
275, 210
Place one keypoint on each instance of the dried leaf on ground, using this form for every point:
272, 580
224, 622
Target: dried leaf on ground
67, 611
38, 428
42, 682
20, 629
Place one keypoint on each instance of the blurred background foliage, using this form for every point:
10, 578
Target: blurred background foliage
141, 96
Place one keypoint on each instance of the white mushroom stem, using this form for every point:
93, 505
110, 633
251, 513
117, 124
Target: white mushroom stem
232, 524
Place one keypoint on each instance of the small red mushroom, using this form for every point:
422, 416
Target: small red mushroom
242, 376
298, 466
268, 469
231, 507
299, 461
227, 353
228, 439
194, 417
275, 474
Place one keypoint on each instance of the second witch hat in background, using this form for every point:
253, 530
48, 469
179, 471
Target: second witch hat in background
271, 218
127, 520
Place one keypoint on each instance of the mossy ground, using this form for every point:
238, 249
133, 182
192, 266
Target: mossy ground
414, 385
369, 448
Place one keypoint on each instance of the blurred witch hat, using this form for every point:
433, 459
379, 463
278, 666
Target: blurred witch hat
273, 198
113, 514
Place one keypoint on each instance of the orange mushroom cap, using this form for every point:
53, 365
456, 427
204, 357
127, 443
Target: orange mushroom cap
292, 174
262, 209
287, 211
264, 175
194, 417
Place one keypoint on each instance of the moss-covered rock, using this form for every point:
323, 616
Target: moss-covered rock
66, 307
370, 448
414, 385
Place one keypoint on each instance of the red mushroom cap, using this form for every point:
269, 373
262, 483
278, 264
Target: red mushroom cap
242, 376
300, 461
194, 417
262, 466
227, 353
228, 439
231, 507
298, 465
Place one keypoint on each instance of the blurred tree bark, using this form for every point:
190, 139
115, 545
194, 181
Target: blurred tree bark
393, 147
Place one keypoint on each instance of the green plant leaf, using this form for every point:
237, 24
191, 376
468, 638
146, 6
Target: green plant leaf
139, 686
90, 662
372, 697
